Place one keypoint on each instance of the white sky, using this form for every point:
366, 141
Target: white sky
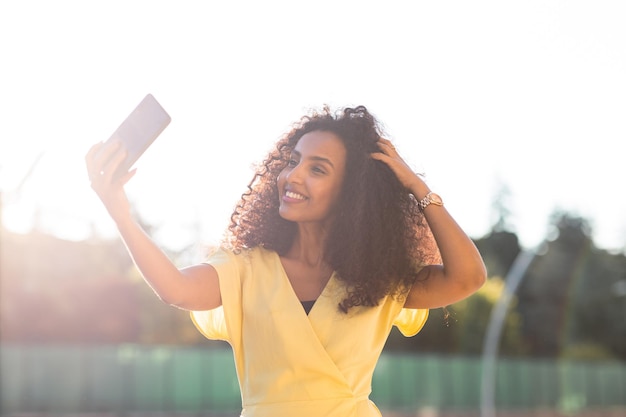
474, 93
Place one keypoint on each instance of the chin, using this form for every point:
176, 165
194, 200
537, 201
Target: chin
284, 214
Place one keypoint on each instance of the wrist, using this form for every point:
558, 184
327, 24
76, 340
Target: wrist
430, 199
418, 187
122, 219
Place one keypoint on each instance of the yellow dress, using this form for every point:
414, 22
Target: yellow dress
290, 364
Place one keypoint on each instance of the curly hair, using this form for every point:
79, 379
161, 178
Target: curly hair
378, 239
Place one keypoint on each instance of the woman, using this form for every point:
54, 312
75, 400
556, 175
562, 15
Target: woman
327, 250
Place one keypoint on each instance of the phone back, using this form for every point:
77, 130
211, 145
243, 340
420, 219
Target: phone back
137, 132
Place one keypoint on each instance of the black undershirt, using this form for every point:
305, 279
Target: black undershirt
308, 305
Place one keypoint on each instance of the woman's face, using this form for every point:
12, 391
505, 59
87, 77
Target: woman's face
310, 184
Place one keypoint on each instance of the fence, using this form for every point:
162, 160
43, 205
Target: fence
138, 379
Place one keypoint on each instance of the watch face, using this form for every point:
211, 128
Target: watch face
436, 199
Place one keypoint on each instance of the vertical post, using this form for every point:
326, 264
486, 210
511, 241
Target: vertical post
494, 330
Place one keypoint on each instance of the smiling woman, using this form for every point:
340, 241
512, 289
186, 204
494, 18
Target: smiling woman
334, 228
550, 80
311, 182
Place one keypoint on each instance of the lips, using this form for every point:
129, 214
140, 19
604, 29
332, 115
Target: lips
292, 195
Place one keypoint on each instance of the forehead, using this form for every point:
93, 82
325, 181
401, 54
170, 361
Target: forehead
321, 144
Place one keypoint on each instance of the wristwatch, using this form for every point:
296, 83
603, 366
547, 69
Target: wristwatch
431, 198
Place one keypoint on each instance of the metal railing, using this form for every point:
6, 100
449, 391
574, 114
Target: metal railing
132, 379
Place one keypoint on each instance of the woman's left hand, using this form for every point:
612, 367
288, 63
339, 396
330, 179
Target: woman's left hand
389, 155
463, 270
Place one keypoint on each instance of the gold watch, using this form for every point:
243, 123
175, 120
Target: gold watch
431, 198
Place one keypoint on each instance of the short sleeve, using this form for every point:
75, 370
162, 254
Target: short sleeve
410, 321
224, 322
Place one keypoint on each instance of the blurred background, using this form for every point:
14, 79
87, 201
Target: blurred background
513, 111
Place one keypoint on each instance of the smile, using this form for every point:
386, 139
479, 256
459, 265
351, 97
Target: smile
295, 196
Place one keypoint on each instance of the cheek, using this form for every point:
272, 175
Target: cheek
280, 180
333, 194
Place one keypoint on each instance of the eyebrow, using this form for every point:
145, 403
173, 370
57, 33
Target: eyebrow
315, 158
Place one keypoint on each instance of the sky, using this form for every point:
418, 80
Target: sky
476, 95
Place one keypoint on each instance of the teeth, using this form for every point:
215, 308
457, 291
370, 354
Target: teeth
297, 196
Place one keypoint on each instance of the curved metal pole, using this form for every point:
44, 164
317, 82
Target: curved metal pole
494, 330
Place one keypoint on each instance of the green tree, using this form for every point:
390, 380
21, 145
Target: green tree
599, 303
474, 313
572, 295
498, 250
500, 246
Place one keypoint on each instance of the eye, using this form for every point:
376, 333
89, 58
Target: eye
318, 169
292, 163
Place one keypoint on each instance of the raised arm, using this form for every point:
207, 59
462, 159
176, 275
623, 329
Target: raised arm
463, 271
192, 288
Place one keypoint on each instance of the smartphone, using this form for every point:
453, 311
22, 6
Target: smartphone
142, 126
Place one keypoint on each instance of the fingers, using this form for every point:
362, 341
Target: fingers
89, 157
387, 147
103, 159
92, 151
93, 169
126, 177
387, 151
389, 155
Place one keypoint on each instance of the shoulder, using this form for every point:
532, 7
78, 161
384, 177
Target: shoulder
244, 258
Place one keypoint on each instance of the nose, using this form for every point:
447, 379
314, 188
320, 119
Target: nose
294, 175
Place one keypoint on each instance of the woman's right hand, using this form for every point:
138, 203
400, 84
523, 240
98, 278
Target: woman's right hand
102, 161
193, 288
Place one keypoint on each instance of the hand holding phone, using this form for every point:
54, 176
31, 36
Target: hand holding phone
137, 132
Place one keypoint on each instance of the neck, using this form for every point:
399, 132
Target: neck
308, 245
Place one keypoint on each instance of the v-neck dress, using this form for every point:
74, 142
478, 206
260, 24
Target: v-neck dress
289, 363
